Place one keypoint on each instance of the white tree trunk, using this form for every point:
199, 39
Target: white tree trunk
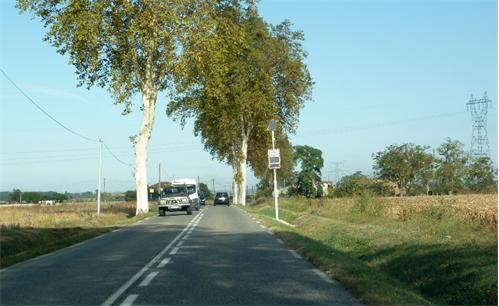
242, 169
235, 186
149, 95
235, 192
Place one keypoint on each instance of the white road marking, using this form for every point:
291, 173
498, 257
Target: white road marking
180, 243
148, 279
164, 262
323, 276
296, 255
98, 237
113, 297
185, 237
258, 222
174, 251
280, 241
262, 226
129, 300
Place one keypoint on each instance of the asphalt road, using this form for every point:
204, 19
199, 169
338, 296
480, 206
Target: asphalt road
218, 256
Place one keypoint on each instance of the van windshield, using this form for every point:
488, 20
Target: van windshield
174, 191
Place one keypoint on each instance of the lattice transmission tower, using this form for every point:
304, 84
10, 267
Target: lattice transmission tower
479, 139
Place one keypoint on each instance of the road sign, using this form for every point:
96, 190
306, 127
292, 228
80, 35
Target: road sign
274, 159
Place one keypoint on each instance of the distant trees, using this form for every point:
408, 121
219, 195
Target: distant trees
204, 189
408, 165
452, 171
357, 184
307, 180
34, 197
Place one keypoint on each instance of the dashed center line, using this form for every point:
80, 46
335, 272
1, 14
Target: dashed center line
148, 279
164, 262
174, 251
180, 243
280, 241
129, 300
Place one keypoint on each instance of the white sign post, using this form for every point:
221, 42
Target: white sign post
274, 164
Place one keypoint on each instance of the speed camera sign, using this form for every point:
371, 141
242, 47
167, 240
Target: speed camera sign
274, 159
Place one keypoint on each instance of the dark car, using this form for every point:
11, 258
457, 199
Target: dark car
202, 198
221, 198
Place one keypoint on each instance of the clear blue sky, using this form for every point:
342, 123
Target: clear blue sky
386, 72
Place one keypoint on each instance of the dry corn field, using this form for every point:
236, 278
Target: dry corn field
478, 208
65, 215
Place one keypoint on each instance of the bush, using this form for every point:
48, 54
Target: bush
367, 204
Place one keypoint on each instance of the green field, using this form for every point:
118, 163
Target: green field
417, 250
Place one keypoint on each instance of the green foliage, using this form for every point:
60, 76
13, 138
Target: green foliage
307, 180
123, 45
204, 189
256, 73
480, 175
130, 195
451, 167
35, 197
408, 165
15, 195
366, 203
357, 184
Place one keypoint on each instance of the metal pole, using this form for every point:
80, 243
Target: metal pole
104, 191
100, 175
276, 195
159, 182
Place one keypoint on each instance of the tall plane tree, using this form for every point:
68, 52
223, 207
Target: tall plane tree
131, 47
253, 76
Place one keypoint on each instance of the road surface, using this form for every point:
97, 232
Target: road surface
217, 256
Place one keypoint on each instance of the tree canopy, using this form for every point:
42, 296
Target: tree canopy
307, 179
256, 74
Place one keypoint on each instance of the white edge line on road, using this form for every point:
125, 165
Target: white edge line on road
113, 297
280, 241
148, 279
129, 300
323, 276
164, 262
296, 255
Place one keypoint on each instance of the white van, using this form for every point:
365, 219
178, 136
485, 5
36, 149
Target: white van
182, 194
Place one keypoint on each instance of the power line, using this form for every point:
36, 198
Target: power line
59, 123
43, 111
115, 157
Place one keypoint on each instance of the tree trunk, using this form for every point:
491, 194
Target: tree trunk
235, 190
242, 169
149, 95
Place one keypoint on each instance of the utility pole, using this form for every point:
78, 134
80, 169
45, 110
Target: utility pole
272, 126
100, 175
104, 189
213, 182
159, 181
479, 139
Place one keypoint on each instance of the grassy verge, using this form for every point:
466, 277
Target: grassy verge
435, 254
28, 232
